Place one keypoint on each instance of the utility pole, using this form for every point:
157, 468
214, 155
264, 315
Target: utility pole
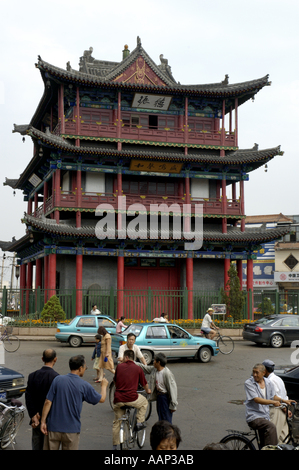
2, 271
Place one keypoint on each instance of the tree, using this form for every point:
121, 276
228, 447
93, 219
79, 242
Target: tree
266, 306
53, 310
232, 296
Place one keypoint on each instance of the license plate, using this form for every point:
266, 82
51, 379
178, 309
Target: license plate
2, 395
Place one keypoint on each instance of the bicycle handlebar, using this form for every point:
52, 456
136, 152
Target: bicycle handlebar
14, 404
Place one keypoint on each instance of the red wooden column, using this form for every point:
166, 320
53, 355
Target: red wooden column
226, 269
120, 283
79, 292
186, 128
222, 143
189, 284
79, 197
242, 204
35, 203
28, 284
240, 272
38, 273
187, 220
78, 118
224, 205
236, 121
119, 122
57, 185
29, 207
120, 202
45, 195
22, 285
250, 286
61, 109
46, 277
52, 275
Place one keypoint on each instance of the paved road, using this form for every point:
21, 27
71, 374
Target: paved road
210, 395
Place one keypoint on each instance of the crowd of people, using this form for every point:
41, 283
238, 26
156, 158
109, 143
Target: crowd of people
54, 402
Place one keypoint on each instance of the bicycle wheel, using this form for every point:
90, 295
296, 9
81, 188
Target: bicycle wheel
11, 343
225, 344
237, 442
124, 436
148, 411
10, 429
140, 438
111, 393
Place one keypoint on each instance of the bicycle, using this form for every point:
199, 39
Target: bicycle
10, 342
128, 434
141, 391
11, 418
238, 440
225, 344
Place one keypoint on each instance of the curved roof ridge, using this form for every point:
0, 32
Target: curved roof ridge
223, 87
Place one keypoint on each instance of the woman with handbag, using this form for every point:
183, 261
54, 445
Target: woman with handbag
106, 359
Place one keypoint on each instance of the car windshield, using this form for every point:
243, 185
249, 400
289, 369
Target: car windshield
135, 329
265, 320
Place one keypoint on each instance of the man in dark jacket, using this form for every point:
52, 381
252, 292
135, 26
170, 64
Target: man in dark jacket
39, 383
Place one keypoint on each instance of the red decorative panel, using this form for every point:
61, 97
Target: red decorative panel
140, 72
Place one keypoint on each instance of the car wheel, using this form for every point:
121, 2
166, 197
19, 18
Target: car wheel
276, 341
75, 341
204, 354
148, 356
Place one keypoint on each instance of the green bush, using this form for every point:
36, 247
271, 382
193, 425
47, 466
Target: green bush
53, 310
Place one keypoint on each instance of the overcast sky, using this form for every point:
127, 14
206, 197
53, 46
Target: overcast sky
203, 41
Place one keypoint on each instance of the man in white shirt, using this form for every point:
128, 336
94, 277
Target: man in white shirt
277, 415
95, 310
208, 327
130, 344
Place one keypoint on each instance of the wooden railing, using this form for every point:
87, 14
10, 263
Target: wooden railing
159, 134
89, 200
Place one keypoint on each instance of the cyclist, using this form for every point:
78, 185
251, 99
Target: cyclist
260, 393
208, 326
127, 378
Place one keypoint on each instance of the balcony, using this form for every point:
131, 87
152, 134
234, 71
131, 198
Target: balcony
71, 199
148, 134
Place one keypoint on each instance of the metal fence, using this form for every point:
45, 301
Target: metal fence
145, 304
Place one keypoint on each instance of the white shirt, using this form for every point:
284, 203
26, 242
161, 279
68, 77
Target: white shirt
206, 321
279, 386
160, 385
95, 312
124, 347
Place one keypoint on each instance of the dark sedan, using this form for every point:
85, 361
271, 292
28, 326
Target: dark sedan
12, 384
273, 330
291, 381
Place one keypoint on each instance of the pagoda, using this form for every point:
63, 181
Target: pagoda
117, 143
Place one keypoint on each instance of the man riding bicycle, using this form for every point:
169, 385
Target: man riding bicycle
208, 326
127, 378
260, 393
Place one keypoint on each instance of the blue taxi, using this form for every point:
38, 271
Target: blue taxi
168, 338
83, 328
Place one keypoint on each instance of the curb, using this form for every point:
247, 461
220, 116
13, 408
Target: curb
52, 338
